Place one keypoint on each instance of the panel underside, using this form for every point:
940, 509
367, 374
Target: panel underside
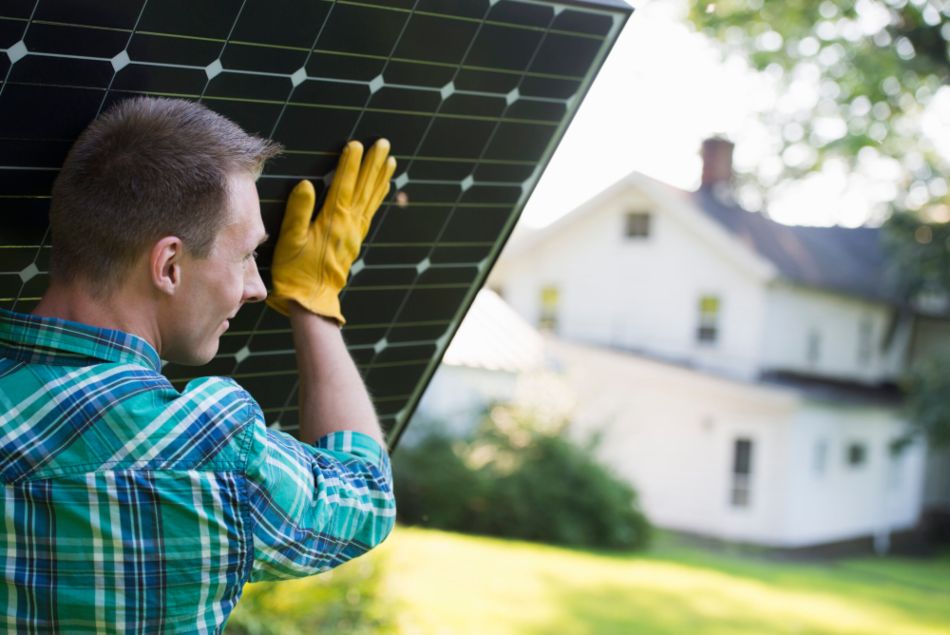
473, 94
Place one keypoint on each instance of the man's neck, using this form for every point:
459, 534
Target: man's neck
115, 311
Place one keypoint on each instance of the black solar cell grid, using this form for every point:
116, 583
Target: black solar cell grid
473, 94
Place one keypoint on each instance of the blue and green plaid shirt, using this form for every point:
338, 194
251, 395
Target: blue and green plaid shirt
131, 507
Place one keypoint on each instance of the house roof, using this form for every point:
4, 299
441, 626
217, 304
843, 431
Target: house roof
835, 390
494, 337
841, 259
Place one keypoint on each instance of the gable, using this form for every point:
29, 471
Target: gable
639, 193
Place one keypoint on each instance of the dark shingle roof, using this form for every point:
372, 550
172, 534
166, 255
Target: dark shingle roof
841, 259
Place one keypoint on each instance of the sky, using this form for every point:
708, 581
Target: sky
661, 91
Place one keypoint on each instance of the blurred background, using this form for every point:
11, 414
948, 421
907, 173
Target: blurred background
707, 387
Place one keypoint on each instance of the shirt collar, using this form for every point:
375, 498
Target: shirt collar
44, 340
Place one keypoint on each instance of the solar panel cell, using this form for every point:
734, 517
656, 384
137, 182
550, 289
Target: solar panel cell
563, 54
280, 22
162, 80
365, 30
82, 12
474, 9
522, 14
188, 18
434, 38
263, 59
167, 49
502, 46
581, 22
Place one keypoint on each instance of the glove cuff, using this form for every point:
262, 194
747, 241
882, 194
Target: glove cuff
325, 302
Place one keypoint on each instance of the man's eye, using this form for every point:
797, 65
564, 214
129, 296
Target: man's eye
253, 255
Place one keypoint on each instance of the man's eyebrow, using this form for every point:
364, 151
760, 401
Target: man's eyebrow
264, 239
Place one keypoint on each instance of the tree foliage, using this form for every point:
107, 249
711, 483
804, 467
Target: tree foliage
858, 77
920, 256
928, 385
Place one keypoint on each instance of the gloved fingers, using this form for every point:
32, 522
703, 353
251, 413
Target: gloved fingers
369, 173
344, 181
380, 190
297, 214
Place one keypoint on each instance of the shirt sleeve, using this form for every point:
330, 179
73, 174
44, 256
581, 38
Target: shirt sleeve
314, 507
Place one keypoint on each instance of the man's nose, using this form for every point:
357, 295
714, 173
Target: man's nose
254, 289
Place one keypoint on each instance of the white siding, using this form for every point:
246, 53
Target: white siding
671, 432
843, 500
642, 294
794, 313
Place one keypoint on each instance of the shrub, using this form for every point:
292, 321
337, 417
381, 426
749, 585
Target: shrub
517, 477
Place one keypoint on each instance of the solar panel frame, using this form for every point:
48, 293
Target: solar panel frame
474, 95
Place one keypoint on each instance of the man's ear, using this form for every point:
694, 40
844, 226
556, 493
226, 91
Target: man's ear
165, 259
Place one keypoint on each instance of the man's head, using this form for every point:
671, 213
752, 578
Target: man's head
159, 194
144, 169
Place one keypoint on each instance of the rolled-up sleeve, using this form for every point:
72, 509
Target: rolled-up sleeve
314, 507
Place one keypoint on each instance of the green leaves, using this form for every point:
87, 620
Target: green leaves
928, 385
517, 478
878, 65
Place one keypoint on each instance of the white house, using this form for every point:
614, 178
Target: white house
743, 370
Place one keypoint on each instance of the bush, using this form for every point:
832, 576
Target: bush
513, 477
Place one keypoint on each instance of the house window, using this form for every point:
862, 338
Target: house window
742, 473
820, 462
856, 454
637, 225
813, 351
708, 329
865, 345
547, 318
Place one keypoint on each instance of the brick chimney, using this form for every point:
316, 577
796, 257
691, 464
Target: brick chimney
717, 162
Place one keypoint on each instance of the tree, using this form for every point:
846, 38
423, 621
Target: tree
928, 385
858, 78
869, 70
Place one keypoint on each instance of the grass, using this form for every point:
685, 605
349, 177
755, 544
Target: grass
437, 583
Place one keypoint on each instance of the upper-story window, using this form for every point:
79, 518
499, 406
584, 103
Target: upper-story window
637, 225
813, 346
549, 299
708, 327
865, 340
820, 457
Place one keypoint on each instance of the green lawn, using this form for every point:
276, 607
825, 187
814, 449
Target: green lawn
442, 583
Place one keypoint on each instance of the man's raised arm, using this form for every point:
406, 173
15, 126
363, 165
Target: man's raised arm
311, 264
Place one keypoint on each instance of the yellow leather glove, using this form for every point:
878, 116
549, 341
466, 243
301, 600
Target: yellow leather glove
312, 260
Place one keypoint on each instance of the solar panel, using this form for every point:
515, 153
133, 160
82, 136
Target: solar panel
473, 94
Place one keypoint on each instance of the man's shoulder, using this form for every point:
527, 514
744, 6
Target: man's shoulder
220, 406
212, 385
127, 417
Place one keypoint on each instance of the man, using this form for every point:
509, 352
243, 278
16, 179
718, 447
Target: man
130, 506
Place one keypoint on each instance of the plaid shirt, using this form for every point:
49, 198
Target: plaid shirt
131, 507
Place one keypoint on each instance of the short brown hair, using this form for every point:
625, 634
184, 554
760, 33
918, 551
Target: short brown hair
146, 168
